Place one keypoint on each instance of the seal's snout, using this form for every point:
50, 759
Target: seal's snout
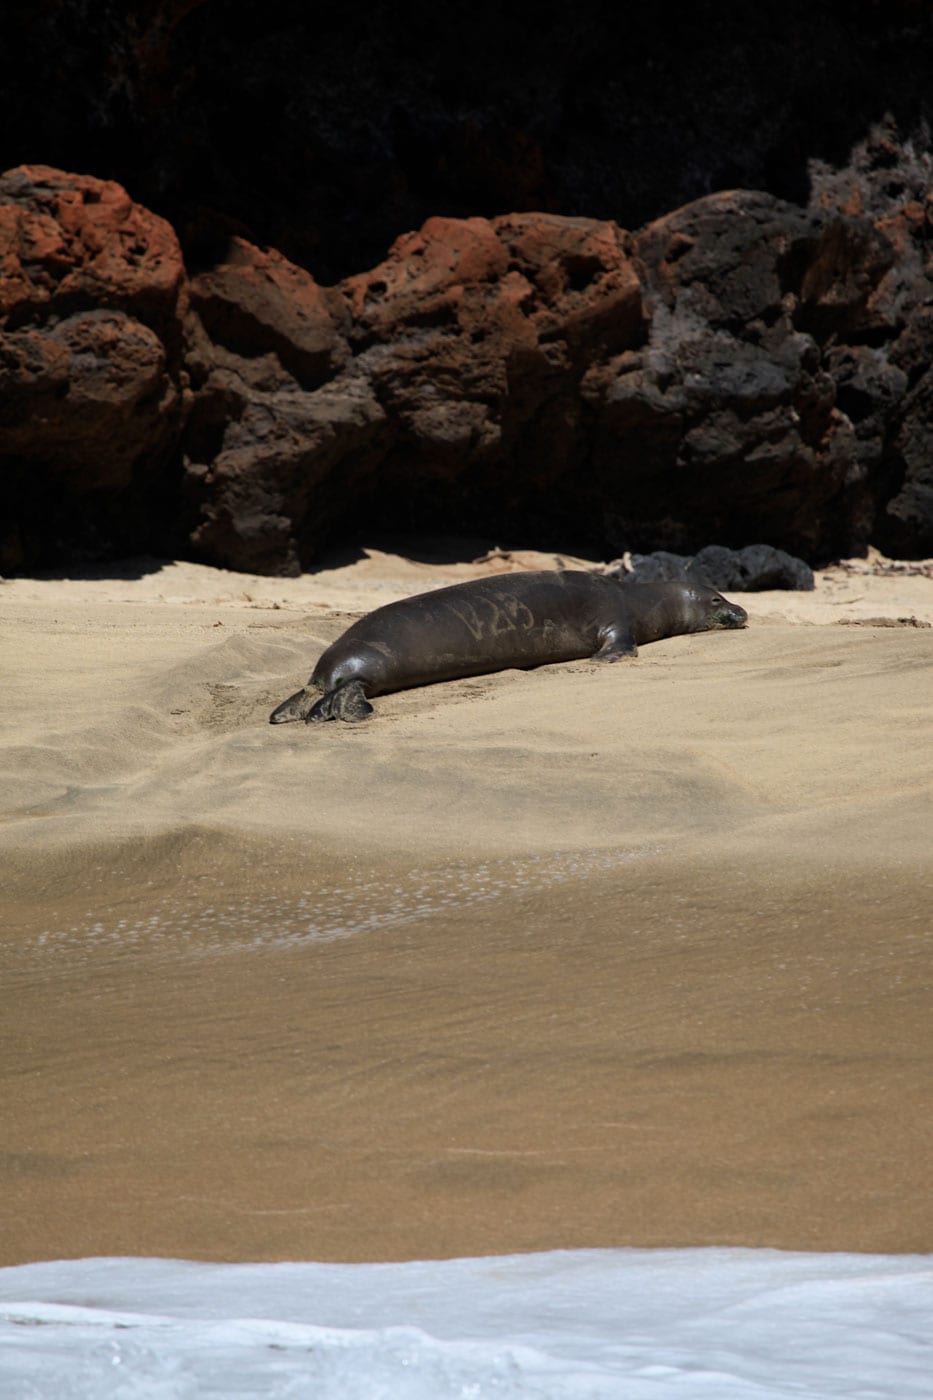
726, 614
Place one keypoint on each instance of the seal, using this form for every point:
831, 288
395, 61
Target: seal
493, 624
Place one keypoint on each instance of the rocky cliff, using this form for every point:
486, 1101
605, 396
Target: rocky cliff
193, 361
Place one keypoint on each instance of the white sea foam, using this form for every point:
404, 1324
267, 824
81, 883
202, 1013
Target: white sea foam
245, 923
689, 1324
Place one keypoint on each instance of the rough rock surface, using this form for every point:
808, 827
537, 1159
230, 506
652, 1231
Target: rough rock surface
724, 425
882, 368
453, 394
740, 370
92, 389
273, 414
749, 570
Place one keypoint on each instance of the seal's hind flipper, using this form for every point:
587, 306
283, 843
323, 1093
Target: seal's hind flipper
297, 706
617, 643
347, 702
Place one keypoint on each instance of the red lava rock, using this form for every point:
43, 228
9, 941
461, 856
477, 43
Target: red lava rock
584, 278
423, 279
87, 395
92, 389
741, 370
73, 240
468, 343
258, 301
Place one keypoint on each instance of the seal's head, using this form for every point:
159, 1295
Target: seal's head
714, 609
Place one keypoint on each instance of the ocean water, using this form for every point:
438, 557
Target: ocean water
664, 1324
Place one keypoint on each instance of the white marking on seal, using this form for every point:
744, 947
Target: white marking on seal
510, 616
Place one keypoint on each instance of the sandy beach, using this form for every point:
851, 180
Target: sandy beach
584, 956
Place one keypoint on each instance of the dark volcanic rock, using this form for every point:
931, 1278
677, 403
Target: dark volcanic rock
906, 527
740, 369
725, 425
83, 396
274, 417
92, 390
884, 376
550, 378
255, 301
460, 400
289, 464
473, 330
750, 570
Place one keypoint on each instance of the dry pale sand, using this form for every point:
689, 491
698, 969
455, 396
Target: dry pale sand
579, 956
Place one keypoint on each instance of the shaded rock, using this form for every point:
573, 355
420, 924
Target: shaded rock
883, 378
482, 376
269, 459
84, 396
741, 369
279, 441
906, 527
838, 292
287, 467
257, 302
870, 391
92, 389
728, 260
461, 397
725, 425
750, 570
887, 182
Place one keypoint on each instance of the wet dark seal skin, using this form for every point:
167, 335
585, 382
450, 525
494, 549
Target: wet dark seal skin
494, 624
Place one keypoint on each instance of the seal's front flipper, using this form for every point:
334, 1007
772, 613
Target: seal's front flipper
616, 645
347, 702
297, 706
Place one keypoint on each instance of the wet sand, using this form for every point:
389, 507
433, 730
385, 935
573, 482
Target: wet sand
569, 958
631, 1057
